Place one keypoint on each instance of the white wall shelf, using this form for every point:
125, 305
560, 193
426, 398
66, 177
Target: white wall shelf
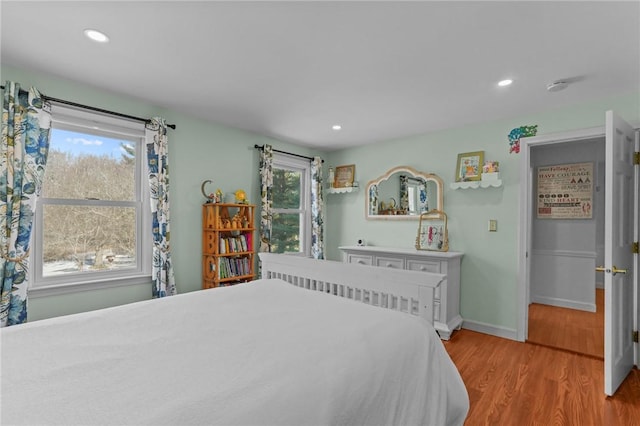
342, 190
476, 184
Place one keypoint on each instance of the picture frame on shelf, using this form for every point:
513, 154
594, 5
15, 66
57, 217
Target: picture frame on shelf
343, 176
469, 166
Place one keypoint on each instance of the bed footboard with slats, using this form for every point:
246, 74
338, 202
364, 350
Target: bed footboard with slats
411, 292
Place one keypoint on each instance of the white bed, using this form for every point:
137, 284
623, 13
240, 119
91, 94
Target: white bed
261, 353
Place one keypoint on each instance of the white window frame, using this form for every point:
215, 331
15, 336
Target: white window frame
81, 120
288, 162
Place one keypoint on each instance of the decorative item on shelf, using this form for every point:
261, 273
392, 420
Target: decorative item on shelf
469, 166
211, 196
241, 196
236, 221
432, 231
219, 195
491, 170
344, 176
390, 208
520, 132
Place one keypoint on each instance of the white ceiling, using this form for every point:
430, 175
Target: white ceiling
290, 70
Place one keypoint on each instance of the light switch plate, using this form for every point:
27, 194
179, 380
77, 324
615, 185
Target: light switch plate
493, 225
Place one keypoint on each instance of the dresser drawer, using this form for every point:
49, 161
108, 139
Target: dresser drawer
423, 266
427, 266
360, 259
390, 262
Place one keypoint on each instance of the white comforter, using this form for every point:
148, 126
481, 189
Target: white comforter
261, 353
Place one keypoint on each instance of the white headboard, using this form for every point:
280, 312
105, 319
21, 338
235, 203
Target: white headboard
407, 291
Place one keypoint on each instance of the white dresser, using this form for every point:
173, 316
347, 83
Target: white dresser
447, 297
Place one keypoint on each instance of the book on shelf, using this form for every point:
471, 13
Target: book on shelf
234, 244
234, 267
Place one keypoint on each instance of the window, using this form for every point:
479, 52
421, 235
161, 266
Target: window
291, 220
92, 218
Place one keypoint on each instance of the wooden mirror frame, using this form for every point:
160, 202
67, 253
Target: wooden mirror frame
408, 171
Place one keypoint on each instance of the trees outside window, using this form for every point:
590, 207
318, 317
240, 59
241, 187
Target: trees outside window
291, 220
90, 218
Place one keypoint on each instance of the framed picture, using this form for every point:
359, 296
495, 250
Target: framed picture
344, 176
565, 191
469, 167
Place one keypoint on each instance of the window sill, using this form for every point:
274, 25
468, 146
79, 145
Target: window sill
89, 285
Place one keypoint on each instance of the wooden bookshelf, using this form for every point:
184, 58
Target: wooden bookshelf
228, 247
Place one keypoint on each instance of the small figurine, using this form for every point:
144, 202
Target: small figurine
241, 196
236, 222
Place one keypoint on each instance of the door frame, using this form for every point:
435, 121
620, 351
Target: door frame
526, 209
525, 222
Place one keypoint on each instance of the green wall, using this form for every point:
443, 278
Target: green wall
201, 150
198, 150
489, 266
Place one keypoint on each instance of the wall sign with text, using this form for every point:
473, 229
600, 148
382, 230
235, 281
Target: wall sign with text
565, 191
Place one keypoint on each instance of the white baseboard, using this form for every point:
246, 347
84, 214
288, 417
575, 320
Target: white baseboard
563, 303
494, 330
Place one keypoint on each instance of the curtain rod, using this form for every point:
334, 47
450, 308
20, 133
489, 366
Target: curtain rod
104, 111
261, 147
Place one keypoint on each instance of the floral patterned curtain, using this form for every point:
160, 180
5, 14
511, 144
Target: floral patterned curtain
26, 122
266, 196
158, 169
317, 210
373, 199
404, 192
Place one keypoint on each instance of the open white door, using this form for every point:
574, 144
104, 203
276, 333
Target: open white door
618, 255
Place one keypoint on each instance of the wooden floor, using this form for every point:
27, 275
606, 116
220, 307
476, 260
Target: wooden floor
515, 383
570, 329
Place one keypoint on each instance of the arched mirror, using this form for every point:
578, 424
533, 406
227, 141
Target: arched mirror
403, 193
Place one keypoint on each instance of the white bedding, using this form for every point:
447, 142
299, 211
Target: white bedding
260, 353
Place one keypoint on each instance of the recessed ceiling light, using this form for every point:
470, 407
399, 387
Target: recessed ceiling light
506, 82
336, 127
96, 35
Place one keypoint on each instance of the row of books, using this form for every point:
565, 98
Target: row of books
234, 266
241, 243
